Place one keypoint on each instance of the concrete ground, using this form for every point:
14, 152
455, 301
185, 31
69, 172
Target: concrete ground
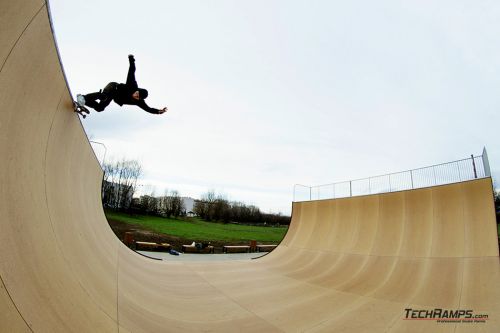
203, 257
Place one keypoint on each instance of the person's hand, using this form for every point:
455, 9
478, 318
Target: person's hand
163, 110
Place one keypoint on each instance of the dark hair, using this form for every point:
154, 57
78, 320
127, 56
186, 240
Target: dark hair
143, 93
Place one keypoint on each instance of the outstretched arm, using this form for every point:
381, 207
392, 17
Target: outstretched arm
146, 108
131, 72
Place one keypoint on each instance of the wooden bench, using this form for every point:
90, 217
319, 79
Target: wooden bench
194, 249
152, 246
235, 248
265, 248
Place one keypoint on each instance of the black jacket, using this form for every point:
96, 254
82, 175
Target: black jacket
123, 93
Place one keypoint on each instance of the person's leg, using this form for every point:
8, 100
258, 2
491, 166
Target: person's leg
107, 94
105, 97
110, 88
104, 102
91, 100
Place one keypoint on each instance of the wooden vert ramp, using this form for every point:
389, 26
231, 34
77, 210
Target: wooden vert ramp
346, 265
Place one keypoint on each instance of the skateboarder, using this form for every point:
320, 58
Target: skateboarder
122, 93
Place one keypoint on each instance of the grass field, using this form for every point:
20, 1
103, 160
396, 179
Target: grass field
196, 229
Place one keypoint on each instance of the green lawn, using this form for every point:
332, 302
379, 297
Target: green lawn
199, 230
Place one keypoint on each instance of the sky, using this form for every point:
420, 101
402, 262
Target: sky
262, 95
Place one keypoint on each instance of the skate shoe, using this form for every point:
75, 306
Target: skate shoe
80, 100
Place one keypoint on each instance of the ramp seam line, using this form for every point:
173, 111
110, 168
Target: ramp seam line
14, 303
19, 38
433, 223
463, 261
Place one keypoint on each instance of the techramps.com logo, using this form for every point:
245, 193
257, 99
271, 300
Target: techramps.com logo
446, 316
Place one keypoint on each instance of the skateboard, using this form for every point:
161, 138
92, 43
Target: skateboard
82, 110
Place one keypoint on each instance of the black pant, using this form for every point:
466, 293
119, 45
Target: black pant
105, 97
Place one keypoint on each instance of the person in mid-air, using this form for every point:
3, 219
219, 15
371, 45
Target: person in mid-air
122, 93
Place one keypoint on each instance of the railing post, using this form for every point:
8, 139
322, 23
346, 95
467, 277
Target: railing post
474, 166
350, 188
411, 177
486, 163
310, 193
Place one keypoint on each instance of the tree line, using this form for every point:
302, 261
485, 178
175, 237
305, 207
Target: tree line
120, 184
213, 207
169, 205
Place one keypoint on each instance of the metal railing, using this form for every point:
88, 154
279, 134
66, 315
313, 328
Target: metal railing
103, 159
440, 174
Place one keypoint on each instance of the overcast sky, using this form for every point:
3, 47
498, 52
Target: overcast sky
266, 94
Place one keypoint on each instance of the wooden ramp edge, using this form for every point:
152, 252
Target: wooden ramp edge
349, 265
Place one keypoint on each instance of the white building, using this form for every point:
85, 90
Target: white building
188, 204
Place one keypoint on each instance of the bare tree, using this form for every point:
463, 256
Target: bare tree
130, 171
120, 182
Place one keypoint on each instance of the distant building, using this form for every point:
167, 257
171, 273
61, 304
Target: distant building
188, 205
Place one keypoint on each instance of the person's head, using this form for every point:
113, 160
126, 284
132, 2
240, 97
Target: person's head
140, 94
